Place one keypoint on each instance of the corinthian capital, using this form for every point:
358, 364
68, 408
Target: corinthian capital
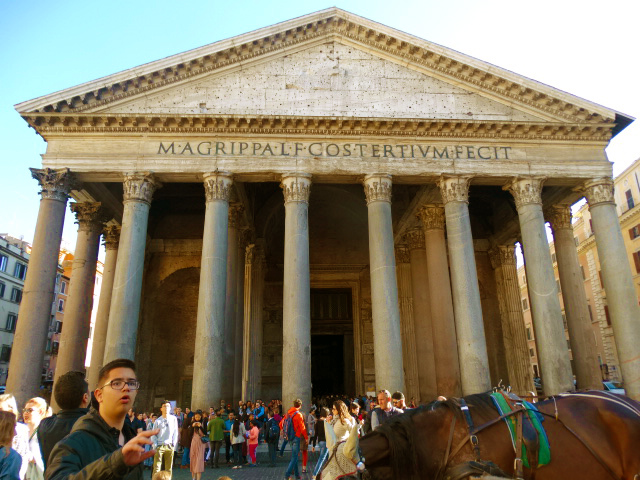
296, 187
559, 216
414, 238
217, 186
526, 190
111, 235
432, 217
599, 190
56, 184
139, 187
90, 216
377, 187
402, 254
502, 255
454, 188
235, 214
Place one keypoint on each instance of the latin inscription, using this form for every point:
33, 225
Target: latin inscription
321, 149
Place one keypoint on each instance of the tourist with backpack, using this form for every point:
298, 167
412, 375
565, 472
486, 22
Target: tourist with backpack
271, 436
294, 431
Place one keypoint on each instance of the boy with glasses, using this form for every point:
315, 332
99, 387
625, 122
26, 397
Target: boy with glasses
100, 444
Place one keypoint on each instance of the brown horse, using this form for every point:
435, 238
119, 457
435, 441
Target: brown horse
593, 435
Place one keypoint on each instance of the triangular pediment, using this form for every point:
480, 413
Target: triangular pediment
327, 64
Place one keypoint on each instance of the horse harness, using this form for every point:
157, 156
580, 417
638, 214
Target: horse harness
479, 466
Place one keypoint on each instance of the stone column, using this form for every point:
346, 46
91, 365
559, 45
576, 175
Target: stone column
553, 353
472, 346
443, 325
30, 339
127, 283
77, 327
111, 235
405, 302
387, 341
239, 321
618, 283
235, 210
422, 314
503, 261
576, 310
254, 268
296, 349
208, 361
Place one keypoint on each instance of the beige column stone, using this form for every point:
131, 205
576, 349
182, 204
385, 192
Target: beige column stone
235, 210
30, 339
445, 344
503, 261
583, 343
472, 347
208, 361
553, 353
405, 302
618, 283
77, 326
296, 348
239, 321
127, 284
420, 281
111, 236
255, 269
387, 340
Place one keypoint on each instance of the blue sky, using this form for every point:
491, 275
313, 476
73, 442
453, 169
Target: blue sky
586, 48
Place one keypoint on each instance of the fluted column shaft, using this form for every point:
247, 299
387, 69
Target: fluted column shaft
553, 352
111, 236
239, 322
472, 347
30, 339
127, 284
443, 325
235, 210
209, 359
583, 343
405, 303
77, 326
387, 340
296, 351
422, 314
618, 283
503, 261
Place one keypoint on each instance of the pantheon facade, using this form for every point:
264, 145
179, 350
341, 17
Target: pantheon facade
325, 205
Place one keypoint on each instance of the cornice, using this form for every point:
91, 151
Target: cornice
53, 123
437, 60
630, 214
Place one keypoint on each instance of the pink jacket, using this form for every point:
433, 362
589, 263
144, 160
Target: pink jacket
253, 436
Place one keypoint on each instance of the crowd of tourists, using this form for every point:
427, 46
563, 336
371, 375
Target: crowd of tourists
99, 435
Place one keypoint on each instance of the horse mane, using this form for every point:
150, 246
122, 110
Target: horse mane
402, 436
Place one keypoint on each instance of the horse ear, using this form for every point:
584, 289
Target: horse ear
350, 447
330, 435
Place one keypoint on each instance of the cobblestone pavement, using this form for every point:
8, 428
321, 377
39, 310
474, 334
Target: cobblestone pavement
262, 471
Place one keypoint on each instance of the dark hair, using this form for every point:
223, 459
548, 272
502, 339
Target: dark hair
354, 405
69, 390
398, 396
324, 412
112, 365
236, 428
7, 430
297, 403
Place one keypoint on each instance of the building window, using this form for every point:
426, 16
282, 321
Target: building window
5, 353
20, 271
2, 286
606, 315
58, 327
531, 354
63, 288
564, 321
577, 240
600, 277
525, 304
54, 348
629, 197
524, 279
590, 311
16, 295
529, 333
12, 320
558, 286
636, 260
553, 257
61, 305
4, 260
584, 277
634, 232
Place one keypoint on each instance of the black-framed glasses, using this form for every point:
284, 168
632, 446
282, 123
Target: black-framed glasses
118, 384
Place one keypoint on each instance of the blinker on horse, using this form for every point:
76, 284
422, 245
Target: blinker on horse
593, 435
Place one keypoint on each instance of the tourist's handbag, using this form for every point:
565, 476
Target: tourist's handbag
204, 439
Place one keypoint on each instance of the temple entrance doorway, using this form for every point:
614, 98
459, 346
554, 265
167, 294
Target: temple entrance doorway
332, 348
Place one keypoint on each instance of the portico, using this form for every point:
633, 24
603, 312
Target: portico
315, 165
